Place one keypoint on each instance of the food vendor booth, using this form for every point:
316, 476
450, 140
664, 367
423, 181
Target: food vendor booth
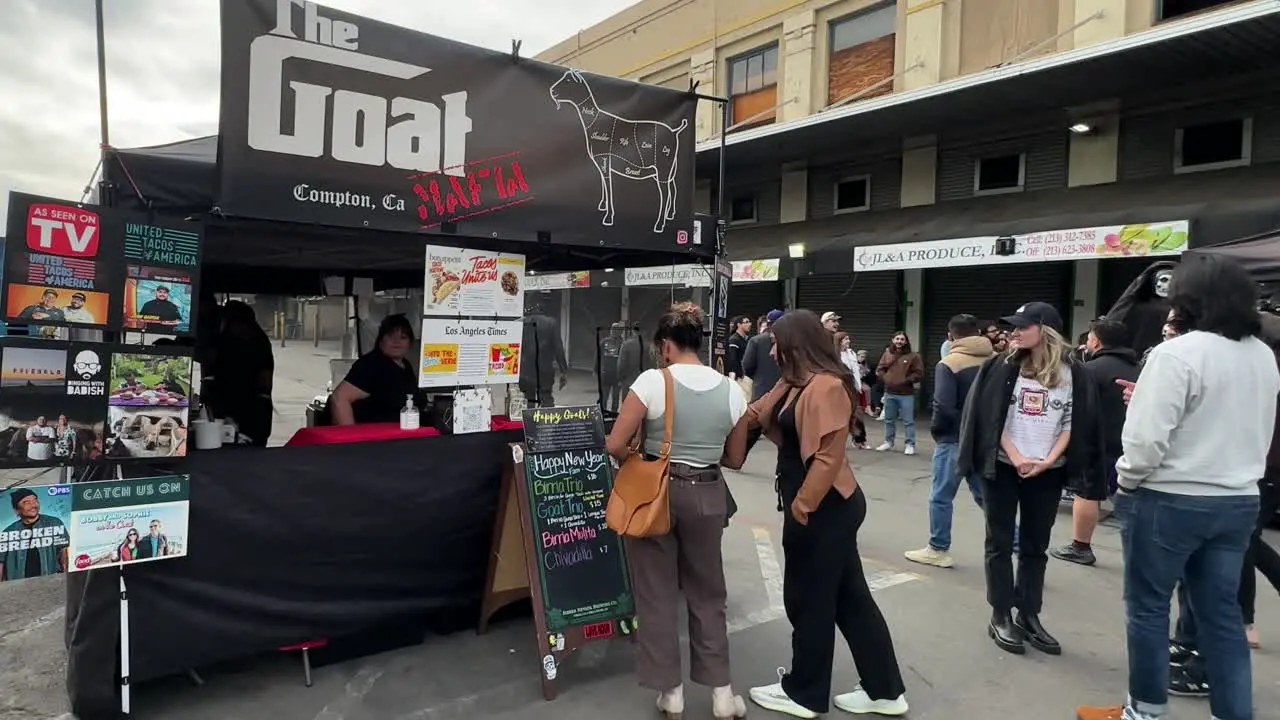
351, 148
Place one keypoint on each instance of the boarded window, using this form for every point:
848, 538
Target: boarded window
753, 86
862, 54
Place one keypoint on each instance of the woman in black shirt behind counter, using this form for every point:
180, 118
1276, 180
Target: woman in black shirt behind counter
376, 386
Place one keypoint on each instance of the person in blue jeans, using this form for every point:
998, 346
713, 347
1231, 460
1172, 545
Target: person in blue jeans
1188, 494
900, 369
952, 378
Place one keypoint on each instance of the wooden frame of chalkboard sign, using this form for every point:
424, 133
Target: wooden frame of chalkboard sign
576, 573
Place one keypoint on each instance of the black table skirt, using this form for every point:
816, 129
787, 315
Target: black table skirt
289, 545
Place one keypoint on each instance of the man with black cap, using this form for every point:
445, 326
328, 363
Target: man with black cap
76, 312
35, 545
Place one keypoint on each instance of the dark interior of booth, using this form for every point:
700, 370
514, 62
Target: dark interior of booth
369, 546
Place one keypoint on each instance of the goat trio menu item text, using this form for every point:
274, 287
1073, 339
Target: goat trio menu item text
76, 265
68, 403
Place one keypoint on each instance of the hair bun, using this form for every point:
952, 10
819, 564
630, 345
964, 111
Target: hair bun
687, 311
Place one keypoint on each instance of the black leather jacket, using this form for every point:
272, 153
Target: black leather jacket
987, 407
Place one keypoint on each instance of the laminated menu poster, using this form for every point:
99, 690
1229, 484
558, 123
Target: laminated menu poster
63, 266
121, 522
161, 261
35, 531
149, 404
580, 563
473, 283
76, 265
469, 352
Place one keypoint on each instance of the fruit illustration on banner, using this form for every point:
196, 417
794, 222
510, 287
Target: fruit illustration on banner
1140, 240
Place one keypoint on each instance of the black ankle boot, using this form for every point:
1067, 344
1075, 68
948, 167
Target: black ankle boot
1037, 637
1007, 635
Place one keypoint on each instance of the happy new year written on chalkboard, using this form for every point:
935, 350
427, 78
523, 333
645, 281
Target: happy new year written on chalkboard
563, 428
581, 566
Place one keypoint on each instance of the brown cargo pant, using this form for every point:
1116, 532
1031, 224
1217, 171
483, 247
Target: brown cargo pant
688, 558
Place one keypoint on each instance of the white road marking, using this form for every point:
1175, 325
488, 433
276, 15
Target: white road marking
42, 621
352, 694
771, 571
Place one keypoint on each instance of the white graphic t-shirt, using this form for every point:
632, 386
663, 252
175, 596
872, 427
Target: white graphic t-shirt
1038, 415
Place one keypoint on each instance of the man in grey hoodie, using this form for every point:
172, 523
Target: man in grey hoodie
952, 378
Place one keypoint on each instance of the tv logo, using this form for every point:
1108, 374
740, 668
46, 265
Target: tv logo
62, 230
56, 490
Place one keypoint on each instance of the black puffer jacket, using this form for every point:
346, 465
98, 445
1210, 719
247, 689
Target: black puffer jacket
1108, 365
987, 408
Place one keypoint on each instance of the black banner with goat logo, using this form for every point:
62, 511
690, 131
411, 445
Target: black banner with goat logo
333, 119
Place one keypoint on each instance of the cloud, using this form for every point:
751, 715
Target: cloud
163, 71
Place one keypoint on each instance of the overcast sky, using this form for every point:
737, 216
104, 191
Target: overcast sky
162, 65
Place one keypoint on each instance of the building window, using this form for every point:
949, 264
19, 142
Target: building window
862, 53
1213, 145
853, 194
742, 208
753, 87
999, 174
1170, 9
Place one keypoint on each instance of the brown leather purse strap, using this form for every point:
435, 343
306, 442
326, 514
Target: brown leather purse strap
669, 413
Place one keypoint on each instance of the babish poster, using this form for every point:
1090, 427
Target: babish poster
52, 402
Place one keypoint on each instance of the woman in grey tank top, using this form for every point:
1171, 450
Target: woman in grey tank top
706, 409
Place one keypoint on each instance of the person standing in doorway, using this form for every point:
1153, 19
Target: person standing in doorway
951, 381
900, 369
1030, 426
809, 416
1196, 439
1111, 359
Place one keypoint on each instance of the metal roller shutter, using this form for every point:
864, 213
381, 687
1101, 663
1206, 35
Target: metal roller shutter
1114, 276
755, 299
868, 304
646, 305
590, 308
989, 292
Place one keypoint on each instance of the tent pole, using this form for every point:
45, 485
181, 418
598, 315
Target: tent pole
105, 137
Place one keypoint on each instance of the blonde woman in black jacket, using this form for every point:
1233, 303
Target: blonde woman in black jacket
1031, 426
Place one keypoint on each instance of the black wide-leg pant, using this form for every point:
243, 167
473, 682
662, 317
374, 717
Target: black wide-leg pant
824, 588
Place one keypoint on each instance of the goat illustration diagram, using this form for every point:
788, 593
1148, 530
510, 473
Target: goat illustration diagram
632, 149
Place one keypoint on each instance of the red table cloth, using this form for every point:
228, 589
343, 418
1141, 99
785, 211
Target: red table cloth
377, 432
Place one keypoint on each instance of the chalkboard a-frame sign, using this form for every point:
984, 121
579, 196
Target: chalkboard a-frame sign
550, 541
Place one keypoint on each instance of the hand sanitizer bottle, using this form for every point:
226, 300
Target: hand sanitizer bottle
409, 415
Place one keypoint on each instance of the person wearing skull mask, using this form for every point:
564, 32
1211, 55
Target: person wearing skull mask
1144, 306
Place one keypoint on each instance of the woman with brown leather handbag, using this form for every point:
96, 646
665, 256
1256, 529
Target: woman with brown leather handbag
687, 414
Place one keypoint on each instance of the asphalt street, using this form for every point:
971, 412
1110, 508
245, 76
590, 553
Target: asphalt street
938, 618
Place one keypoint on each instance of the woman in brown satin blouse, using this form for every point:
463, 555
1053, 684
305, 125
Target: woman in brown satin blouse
809, 416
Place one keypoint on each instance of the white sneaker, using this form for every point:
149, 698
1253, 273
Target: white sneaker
884, 447
671, 703
909, 450
930, 556
725, 705
773, 697
859, 703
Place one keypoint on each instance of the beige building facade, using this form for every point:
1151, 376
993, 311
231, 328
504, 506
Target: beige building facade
799, 57
892, 139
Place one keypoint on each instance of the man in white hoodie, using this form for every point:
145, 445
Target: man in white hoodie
1195, 442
